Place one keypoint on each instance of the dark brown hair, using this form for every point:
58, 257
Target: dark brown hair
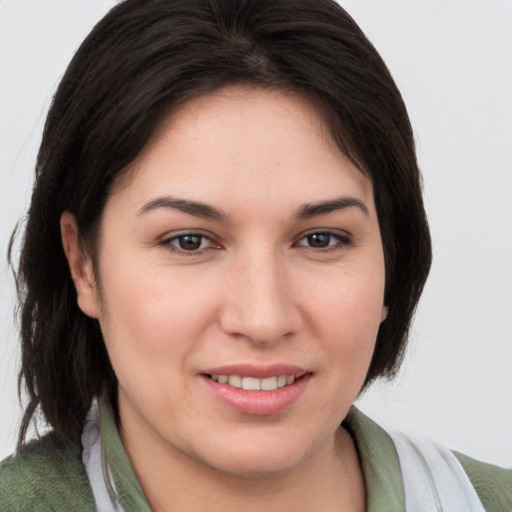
141, 61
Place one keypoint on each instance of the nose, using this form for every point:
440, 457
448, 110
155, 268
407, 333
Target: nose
259, 304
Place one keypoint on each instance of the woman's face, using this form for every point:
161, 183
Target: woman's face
243, 249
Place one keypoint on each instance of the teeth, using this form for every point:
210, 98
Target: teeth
235, 381
253, 384
269, 384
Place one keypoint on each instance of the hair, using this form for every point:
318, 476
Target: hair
141, 61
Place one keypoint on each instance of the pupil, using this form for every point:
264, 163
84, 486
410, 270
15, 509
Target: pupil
319, 239
190, 242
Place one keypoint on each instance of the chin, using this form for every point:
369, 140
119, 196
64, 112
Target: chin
256, 458
255, 466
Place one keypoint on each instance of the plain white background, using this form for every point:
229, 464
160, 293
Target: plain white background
452, 60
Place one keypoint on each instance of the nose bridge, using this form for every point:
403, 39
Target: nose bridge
258, 304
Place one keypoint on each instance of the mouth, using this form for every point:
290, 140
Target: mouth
257, 391
253, 383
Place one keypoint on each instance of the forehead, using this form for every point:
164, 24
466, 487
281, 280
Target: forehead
249, 141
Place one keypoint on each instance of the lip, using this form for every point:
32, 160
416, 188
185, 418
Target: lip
256, 371
257, 403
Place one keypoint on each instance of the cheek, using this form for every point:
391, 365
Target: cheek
347, 301
153, 325
154, 315
346, 312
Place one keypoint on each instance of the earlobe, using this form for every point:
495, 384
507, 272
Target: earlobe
80, 266
385, 311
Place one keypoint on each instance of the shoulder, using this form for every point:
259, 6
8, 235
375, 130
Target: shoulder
492, 483
379, 451
45, 475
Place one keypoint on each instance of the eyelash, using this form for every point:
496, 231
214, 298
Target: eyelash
168, 243
342, 241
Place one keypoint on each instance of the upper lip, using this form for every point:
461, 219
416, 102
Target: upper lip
257, 371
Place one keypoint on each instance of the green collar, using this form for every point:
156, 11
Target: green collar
381, 468
379, 460
129, 492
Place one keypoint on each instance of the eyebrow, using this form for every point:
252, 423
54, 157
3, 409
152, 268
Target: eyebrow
205, 211
310, 210
194, 208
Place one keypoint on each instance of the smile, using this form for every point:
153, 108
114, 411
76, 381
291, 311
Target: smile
255, 384
257, 391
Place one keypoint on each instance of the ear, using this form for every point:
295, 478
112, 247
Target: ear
385, 311
80, 266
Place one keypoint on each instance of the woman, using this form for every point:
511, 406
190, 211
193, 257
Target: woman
225, 245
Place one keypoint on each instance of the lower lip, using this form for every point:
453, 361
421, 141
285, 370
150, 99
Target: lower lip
258, 403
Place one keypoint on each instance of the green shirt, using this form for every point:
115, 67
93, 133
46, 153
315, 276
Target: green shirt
47, 476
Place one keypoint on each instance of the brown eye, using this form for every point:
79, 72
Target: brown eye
319, 240
324, 240
189, 242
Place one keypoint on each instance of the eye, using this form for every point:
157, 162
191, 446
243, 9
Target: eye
188, 242
324, 240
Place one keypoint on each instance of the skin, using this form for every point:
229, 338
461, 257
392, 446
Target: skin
256, 291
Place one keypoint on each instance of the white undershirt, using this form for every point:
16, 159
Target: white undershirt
434, 480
